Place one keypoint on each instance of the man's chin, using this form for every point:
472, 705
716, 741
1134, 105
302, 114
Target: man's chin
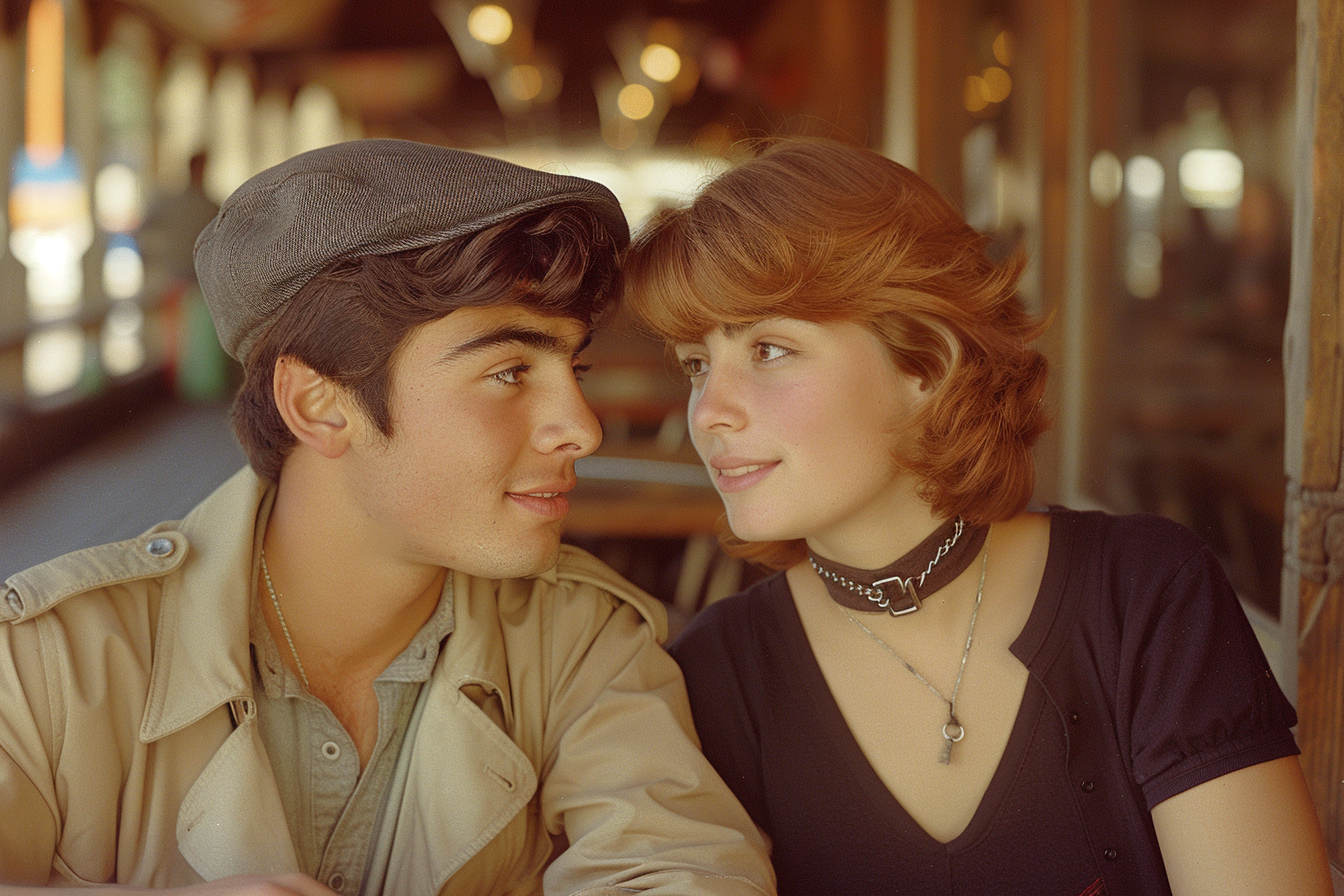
513, 565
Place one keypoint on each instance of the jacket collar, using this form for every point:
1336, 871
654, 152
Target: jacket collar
202, 660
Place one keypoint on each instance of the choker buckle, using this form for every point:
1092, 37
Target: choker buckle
910, 604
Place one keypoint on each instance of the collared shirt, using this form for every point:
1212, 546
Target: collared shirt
334, 811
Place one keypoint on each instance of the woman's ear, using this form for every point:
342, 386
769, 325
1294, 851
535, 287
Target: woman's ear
312, 406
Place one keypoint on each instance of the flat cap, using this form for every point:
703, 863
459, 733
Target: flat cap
364, 197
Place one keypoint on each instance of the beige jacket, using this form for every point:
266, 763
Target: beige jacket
129, 751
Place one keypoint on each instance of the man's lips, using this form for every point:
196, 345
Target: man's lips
548, 501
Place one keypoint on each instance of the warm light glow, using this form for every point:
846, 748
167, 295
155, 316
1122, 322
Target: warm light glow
490, 24
1003, 48
667, 31
53, 360
181, 109
315, 119
1143, 264
123, 268
998, 84
123, 344
44, 102
976, 94
1210, 178
116, 198
620, 133
524, 82
55, 281
1145, 179
1106, 177
660, 62
635, 101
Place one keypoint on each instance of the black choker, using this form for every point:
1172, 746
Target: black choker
900, 587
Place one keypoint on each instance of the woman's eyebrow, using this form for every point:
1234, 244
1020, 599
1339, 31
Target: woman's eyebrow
731, 330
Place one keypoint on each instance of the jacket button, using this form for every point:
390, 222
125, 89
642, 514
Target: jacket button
160, 547
337, 881
15, 602
1110, 853
1073, 717
331, 750
1088, 787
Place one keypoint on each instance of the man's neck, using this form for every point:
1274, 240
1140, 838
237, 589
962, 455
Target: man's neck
349, 608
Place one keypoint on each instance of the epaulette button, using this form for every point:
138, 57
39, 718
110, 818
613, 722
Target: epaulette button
160, 547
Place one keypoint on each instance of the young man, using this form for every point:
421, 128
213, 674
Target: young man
367, 657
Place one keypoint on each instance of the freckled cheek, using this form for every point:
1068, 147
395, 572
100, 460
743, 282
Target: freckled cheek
798, 410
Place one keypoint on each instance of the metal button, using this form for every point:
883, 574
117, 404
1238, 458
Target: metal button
1073, 717
1110, 853
1088, 787
160, 547
331, 750
15, 602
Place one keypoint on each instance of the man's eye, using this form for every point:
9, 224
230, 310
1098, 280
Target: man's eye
694, 367
512, 376
580, 370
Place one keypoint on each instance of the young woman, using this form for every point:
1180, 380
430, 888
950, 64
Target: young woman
942, 691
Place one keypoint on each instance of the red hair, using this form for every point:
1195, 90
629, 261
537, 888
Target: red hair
819, 231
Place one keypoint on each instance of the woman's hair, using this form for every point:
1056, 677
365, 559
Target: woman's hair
820, 231
349, 320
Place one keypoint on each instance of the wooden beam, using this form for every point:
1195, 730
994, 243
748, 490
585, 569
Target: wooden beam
1314, 379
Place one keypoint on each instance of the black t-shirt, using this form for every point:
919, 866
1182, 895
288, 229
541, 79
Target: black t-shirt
1146, 680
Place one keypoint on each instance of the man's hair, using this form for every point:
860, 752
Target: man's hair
349, 320
819, 231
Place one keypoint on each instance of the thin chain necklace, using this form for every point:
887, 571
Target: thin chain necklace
275, 602
953, 731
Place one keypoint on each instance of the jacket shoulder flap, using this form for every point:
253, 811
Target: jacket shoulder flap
37, 589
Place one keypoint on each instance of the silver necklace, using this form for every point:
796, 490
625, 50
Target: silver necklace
953, 731
275, 602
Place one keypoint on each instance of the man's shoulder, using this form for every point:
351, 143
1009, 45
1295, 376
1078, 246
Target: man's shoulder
154, 554
578, 575
34, 591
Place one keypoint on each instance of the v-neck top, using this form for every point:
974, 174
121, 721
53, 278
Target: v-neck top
1145, 680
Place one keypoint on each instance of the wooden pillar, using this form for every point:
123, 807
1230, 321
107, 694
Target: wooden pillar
1050, 134
1313, 579
944, 31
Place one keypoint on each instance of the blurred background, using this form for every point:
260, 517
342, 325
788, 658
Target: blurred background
1141, 151
1147, 154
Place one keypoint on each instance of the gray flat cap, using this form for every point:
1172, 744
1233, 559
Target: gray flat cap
365, 197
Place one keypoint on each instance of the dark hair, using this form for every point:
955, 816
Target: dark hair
348, 322
816, 230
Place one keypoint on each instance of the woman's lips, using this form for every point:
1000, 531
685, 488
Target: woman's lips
734, 476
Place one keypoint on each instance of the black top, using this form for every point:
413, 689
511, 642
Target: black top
1145, 680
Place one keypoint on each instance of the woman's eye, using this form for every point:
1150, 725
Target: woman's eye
766, 351
512, 376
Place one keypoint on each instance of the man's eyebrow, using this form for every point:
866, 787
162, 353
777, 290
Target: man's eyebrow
528, 337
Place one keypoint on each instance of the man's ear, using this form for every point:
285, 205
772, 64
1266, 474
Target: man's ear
312, 406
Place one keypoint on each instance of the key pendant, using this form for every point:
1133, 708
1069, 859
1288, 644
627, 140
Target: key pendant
952, 733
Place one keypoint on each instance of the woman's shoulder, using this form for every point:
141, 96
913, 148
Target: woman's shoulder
1124, 541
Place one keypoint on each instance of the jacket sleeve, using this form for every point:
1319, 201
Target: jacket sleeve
624, 779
